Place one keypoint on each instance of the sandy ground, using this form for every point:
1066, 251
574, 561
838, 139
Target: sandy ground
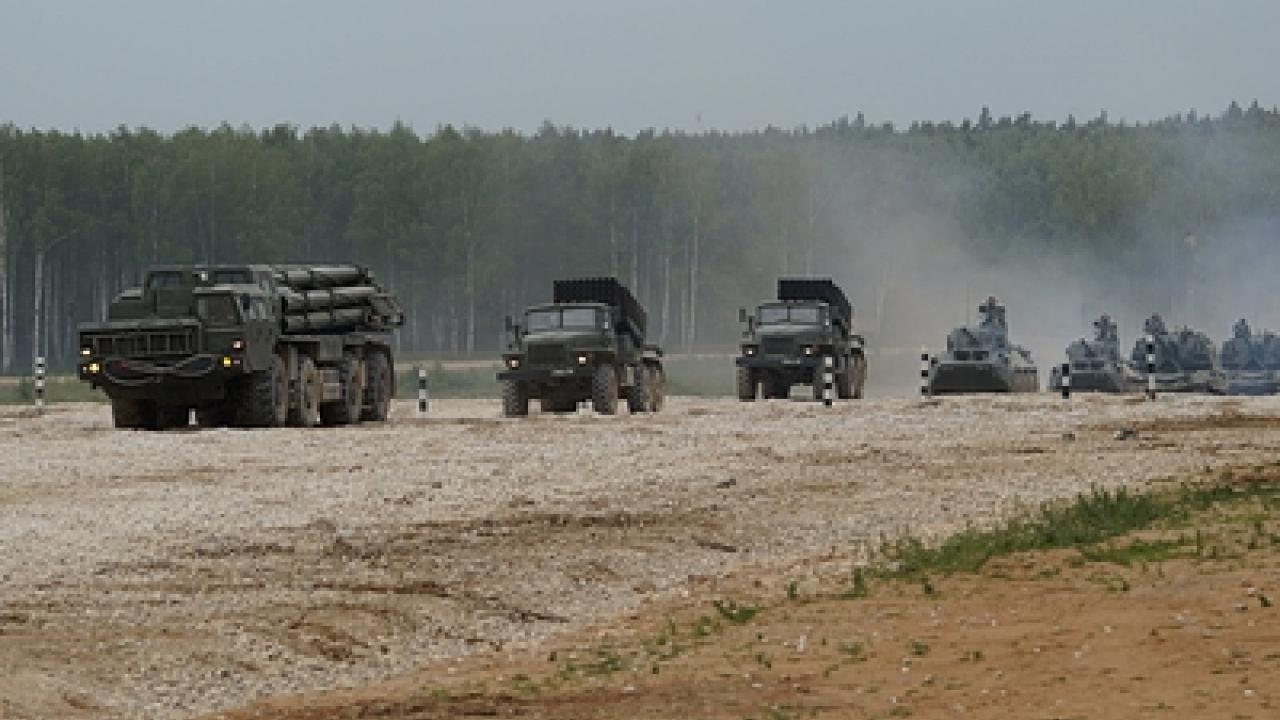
163, 575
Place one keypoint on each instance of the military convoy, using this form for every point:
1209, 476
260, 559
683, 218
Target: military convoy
275, 345
1096, 365
245, 346
982, 360
791, 341
588, 343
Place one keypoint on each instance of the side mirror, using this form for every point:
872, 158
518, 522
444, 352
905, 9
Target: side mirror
742, 314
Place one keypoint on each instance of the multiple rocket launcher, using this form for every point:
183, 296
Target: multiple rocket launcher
333, 299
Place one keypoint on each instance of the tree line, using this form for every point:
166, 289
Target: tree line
466, 226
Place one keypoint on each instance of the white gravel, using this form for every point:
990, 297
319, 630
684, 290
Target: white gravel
162, 575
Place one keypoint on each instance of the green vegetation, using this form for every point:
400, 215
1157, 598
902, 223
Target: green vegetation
468, 226
21, 391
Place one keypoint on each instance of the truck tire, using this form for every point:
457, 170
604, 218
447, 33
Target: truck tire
776, 388
133, 414
171, 417
657, 386
379, 387
304, 408
638, 392
515, 399
817, 385
604, 390
347, 411
746, 385
262, 399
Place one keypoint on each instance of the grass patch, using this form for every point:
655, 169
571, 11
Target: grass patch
1087, 521
57, 388
1137, 552
734, 612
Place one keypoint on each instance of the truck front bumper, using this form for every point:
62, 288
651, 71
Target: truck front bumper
190, 380
547, 374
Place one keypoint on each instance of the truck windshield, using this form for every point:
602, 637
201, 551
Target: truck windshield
566, 318
217, 310
770, 314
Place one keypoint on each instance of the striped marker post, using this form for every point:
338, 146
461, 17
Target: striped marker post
924, 372
1151, 367
828, 379
423, 401
1066, 381
40, 384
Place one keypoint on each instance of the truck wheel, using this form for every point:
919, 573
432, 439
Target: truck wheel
844, 382
304, 410
347, 411
515, 399
657, 385
746, 385
638, 392
377, 393
169, 417
133, 414
263, 397
817, 385
604, 390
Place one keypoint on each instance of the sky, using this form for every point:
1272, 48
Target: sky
692, 64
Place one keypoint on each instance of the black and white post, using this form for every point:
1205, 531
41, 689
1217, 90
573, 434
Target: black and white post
423, 400
40, 384
828, 379
924, 372
1066, 381
1151, 367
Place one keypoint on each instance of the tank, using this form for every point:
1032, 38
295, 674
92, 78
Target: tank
982, 360
1251, 362
1185, 359
1096, 365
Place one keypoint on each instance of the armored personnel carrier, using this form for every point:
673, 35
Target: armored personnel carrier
981, 359
246, 346
787, 342
1251, 362
1185, 359
1096, 365
587, 344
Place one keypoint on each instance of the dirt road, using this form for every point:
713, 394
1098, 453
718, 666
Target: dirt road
166, 574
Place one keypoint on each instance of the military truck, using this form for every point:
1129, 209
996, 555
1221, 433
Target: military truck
588, 343
982, 360
1096, 365
1251, 361
787, 342
245, 346
1186, 360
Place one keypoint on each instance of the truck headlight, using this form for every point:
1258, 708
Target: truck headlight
582, 359
86, 352
808, 349
513, 363
748, 350
226, 361
237, 344
94, 368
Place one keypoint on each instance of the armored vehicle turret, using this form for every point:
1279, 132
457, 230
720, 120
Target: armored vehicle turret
1096, 365
1185, 359
1251, 362
588, 343
982, 360
787, 343
245, 345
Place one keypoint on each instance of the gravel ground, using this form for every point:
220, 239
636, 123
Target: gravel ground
162, 575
